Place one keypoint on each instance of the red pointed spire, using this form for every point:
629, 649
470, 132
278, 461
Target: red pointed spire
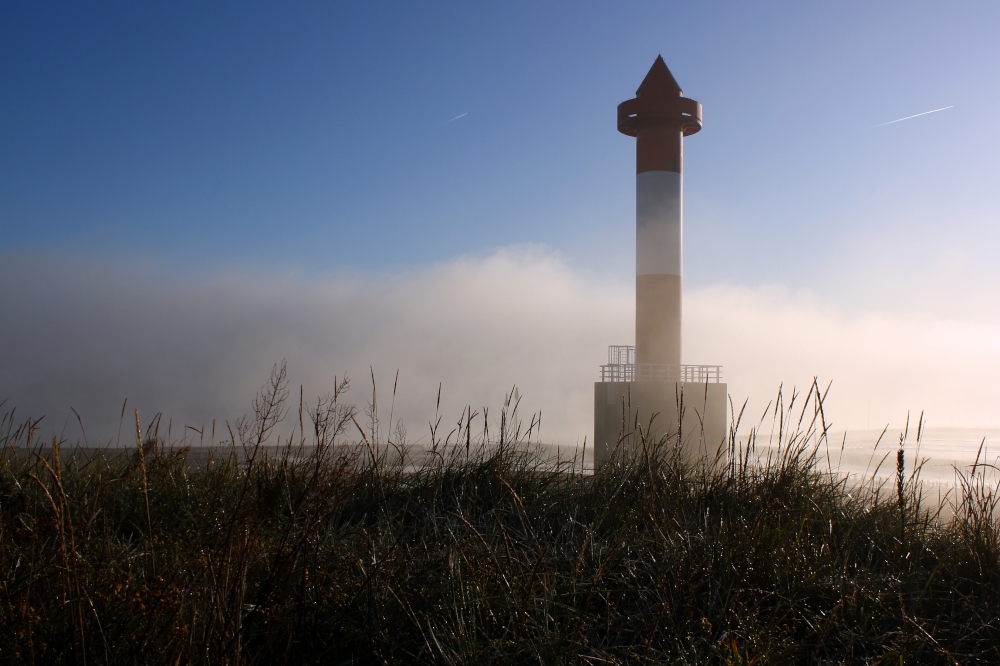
659, 101
658, 81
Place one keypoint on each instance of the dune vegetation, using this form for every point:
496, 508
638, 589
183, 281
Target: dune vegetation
317, 538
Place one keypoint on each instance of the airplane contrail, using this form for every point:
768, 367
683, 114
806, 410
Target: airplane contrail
457, 117
898, 120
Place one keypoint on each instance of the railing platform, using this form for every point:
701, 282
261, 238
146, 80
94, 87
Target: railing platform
621, 367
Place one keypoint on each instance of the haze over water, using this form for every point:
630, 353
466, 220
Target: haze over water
942, 451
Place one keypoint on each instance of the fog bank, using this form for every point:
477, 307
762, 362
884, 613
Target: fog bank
197, 348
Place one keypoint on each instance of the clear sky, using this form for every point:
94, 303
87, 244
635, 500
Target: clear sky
374, 139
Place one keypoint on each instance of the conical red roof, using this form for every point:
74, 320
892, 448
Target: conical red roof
658, 81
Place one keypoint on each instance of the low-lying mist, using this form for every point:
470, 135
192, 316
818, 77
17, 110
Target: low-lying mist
88, 336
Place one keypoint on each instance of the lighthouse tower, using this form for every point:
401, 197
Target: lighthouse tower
647, 383
659, 118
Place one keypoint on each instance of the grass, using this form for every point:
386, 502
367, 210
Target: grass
295, 549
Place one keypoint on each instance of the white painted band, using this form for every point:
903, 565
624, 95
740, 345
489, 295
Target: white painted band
658, 223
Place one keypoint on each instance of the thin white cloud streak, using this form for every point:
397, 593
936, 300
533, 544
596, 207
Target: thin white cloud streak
916, 115
197, 349
457, 117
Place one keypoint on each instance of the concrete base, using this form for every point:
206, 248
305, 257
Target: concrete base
618, 406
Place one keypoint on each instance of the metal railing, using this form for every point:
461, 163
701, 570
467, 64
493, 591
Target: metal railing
621, 367
621, 355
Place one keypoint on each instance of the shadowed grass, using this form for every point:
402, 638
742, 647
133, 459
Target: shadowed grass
283, 550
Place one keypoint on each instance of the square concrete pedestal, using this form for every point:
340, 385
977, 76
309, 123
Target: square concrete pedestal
618, 406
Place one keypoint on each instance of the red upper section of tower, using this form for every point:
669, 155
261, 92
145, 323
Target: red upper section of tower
658, 101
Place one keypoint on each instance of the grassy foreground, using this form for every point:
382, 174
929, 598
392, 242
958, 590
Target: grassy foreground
482, 554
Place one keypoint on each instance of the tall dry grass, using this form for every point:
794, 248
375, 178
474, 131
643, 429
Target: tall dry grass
291, 545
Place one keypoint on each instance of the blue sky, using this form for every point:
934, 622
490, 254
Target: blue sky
315, 135
204, 140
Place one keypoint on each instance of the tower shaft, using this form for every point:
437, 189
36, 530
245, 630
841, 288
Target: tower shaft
659, 235
659, 118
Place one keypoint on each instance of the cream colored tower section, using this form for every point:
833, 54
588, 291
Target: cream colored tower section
659, 241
